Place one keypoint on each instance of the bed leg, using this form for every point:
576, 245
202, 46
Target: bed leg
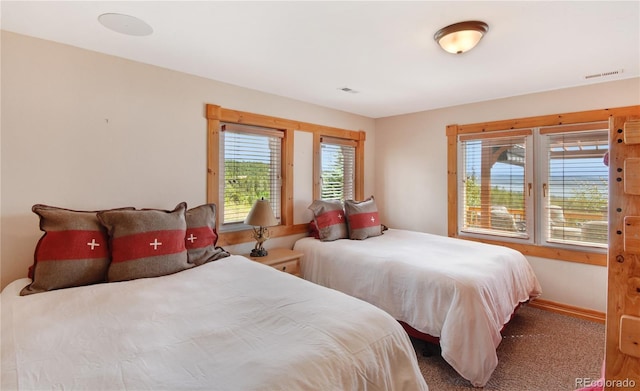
430, 350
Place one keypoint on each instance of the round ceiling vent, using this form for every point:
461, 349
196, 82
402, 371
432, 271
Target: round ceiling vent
125, 24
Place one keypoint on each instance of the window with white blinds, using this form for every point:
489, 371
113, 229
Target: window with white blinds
250, 169
546, 185
337, 168
495, 184
576, 184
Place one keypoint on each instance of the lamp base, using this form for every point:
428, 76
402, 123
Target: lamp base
262, 252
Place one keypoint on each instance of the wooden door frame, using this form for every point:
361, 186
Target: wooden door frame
622, 346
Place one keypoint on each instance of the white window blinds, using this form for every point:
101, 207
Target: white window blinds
575, 188
494, 189
337, 168
555, 194
250, 161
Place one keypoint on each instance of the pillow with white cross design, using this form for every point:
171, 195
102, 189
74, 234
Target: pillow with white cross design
146, 242
362, 219
73, 251
329, 219
202, 235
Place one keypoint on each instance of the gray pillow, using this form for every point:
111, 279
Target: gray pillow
146, 242
202, 235
73, 251
362, 219
330, 219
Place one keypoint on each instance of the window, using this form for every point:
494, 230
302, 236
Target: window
575, 186
495, 183
251, 169
239, 141
546, 185
337, 168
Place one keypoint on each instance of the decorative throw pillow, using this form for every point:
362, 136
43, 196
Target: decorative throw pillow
146, 242
330, 220
202, 236
313, 230
72, 252
362, 219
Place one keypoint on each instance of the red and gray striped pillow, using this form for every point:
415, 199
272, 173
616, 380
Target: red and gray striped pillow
146, 242
202, 235
330, 219
363, 219
73, 251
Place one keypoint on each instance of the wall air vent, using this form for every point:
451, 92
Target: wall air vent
603, 74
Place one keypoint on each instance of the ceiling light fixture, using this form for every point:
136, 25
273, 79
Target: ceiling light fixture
125, 24
461, 37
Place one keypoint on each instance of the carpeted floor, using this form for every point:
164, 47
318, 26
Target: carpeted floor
540, 351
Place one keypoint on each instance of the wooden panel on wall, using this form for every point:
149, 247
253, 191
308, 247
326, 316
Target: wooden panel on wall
632, 132
632, 234
623, 293
630, 335
632, 175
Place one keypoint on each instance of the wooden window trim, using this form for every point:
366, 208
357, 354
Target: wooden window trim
338, 141
452, 133
481, 136
260, 131
216, 114
571, 128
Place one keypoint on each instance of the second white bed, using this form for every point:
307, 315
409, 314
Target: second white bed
460, 291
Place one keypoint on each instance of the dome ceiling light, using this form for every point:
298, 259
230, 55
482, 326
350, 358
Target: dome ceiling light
461, 37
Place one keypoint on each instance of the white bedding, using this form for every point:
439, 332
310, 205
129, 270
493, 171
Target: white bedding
460, 291
232, 324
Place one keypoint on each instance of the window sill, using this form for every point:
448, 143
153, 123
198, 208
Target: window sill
243, 236
586, 257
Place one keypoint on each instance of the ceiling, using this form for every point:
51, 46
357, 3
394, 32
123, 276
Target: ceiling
383, 50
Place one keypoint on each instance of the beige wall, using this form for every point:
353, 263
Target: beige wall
411, 172
88, 131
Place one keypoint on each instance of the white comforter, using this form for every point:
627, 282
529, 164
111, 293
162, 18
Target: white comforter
232, 324
460, 291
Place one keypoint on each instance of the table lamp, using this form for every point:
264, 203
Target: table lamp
261, 216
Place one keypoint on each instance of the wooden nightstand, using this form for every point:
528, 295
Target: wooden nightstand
283, 259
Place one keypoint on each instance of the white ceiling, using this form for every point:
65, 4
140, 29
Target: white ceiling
384, 50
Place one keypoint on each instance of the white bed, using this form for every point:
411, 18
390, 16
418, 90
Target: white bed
232, 324
459, 291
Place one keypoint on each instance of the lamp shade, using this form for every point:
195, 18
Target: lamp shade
261, 214
461, 37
